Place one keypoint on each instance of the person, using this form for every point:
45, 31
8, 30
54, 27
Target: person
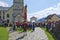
5, 24
24, 26
52, 27
14, 26
30, 25
46, 26
33, 26
17, 24
49, 25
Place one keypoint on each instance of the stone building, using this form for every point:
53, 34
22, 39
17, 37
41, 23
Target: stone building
52, 17
14, 13
33, 19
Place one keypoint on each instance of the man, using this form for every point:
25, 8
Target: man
14, 26
33, 26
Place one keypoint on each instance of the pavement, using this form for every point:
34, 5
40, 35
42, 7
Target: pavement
38, 34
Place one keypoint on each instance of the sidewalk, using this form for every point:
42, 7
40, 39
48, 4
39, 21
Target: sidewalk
38, 34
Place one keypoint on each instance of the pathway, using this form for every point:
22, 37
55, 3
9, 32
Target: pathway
38, 34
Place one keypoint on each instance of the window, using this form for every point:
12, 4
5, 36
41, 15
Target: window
0, 17
16, 1
7, 21
7, 15
17, 9
21, 1
3, 12
3, 17
0, 12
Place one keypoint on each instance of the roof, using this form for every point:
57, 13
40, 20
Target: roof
50, 16
33, 17
4, 8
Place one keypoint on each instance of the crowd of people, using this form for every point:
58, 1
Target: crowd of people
53, 27
24, 25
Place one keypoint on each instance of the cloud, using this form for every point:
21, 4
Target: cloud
3, 4
46, 12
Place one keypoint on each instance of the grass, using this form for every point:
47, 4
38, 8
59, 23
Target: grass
3, 34
29, 30
49, 34
21, 30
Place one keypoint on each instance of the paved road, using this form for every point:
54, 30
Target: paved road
38, 34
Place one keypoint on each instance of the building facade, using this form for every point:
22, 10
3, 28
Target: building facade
15, 13
18, 10
33, 19
52, 18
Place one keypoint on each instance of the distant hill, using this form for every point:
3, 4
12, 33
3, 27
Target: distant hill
42, 19
59, 16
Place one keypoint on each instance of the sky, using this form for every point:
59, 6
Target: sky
35, 6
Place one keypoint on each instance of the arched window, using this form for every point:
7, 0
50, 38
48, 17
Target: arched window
7, 21
0, 12
7, 15
0, 17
